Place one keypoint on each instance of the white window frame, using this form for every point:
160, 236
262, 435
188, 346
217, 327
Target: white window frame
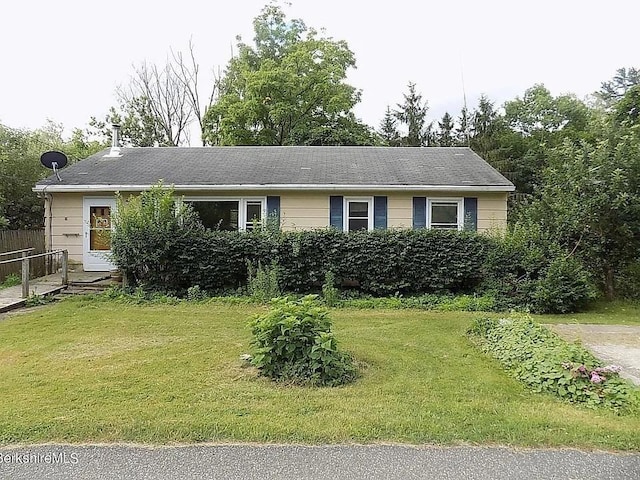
345, 211
457, 200
242, 206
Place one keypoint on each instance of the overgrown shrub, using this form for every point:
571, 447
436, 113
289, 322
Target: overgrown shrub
565, 287
263, 281
293, 342
329, 291
546, 363
527, 270
151, 234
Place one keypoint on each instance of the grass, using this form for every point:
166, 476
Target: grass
602, 313
86, 370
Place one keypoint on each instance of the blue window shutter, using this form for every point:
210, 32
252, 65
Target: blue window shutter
273, 210
335, 212
380, 212
419, 212
470, 214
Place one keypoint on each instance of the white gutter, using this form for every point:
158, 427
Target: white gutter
285, 186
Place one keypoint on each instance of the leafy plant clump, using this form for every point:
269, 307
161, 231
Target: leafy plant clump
542, 360
11, 280
263, 282
293, 342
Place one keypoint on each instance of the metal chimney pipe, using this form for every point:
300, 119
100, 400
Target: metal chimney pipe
115, 142
115, 136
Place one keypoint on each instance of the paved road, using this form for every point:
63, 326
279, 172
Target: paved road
248, 462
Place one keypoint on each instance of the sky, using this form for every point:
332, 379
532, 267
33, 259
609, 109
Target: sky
63, 60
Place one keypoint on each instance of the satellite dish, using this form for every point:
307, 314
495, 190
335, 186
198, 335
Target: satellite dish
54, 160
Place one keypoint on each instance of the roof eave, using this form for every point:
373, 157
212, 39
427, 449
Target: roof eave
319, 187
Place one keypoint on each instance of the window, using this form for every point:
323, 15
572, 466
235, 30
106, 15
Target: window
229, 214
358, 214
100, 228
445, 214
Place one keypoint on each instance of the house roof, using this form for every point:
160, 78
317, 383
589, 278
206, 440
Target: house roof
243, 168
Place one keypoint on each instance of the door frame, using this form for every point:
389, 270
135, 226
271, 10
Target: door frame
95, 261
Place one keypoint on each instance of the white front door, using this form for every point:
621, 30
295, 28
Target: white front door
96, 216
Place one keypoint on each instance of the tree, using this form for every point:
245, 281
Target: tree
445, 135
613, 90
462, 131
627, 111
288, 88
389, 131
20, 169
589, 200
487, 127
159, 103
537, 123
413, 113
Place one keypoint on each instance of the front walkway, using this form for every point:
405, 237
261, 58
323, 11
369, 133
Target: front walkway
11, 298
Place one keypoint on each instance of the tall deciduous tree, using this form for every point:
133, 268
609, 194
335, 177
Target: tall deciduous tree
287, 88
159, 103
413, 113
589, 201
539, 122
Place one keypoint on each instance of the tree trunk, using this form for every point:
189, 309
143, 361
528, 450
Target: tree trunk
609, 290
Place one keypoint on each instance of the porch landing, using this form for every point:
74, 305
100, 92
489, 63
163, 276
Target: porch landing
10, 298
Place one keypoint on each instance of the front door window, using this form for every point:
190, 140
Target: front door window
100, 228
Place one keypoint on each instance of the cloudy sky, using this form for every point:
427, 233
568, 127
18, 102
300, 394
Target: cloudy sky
63, 59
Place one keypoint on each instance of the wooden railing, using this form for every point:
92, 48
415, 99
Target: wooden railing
25, 259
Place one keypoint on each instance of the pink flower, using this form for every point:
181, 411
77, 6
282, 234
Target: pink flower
595, 378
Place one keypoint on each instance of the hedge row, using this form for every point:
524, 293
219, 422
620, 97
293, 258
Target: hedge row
378, 262
167, 250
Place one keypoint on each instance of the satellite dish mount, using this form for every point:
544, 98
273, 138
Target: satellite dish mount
55, 161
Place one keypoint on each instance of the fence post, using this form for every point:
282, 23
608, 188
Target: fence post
25, 275
65, 269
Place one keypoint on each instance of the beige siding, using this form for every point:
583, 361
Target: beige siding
66, 229
304, 211
492, 211
299, 211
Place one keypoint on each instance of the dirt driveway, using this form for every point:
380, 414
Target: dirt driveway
613, 344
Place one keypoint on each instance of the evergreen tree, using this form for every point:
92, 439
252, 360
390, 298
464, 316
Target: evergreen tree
462, 131
413, 113
389, 131
445, 136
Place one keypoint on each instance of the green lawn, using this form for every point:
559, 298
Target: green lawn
86, 370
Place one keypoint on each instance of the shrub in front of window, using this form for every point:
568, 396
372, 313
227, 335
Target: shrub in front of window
293, 343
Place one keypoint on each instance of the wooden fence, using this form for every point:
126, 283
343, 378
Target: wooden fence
11, 240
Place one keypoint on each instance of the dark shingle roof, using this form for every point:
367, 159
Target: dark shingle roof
272, 166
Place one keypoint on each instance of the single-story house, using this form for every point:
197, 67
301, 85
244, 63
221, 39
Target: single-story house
348, 188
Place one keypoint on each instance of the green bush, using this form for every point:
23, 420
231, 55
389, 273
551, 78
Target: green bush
565, 287
527, 270
546, 363
293, 342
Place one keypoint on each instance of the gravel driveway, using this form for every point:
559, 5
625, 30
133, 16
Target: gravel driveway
613, 344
